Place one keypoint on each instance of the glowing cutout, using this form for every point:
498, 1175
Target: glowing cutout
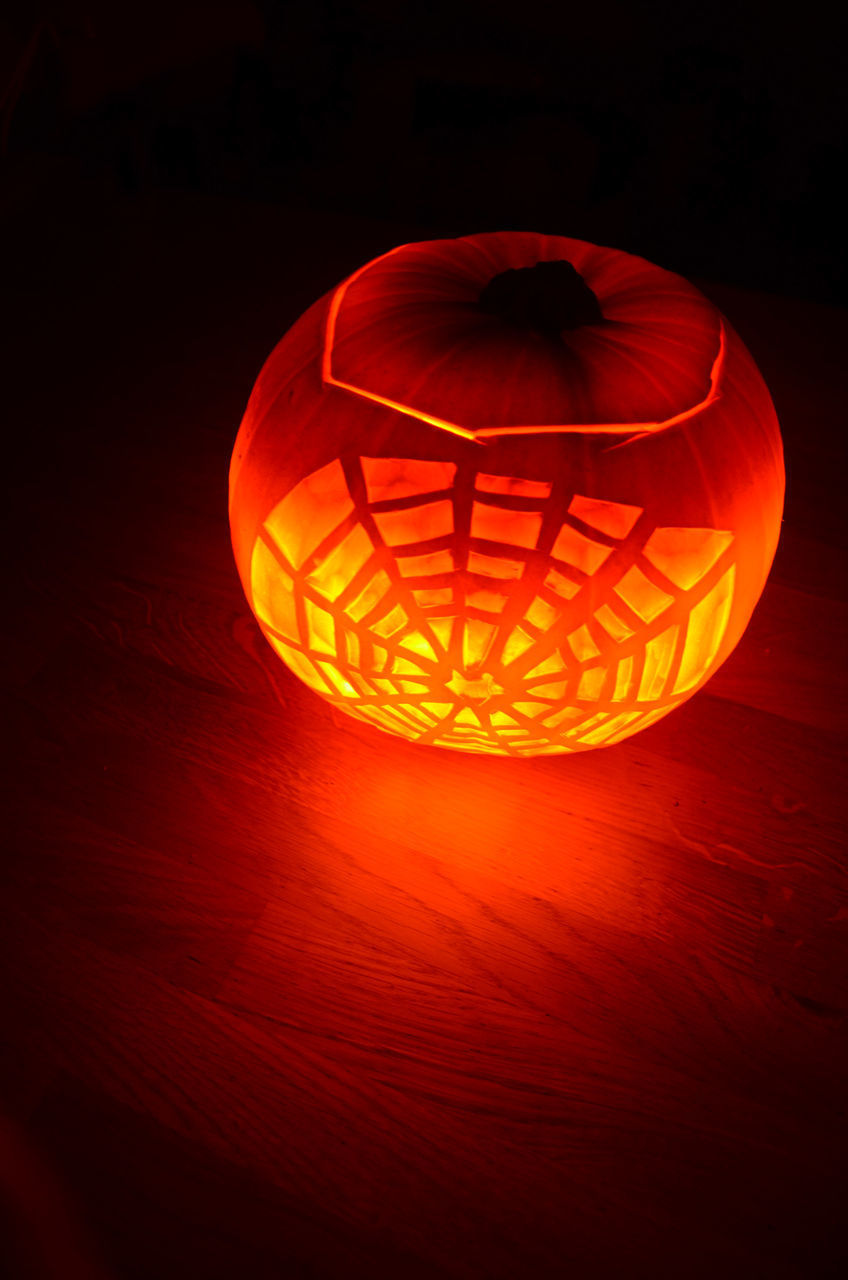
541, 614
390, 478
499, 524
494, 566
611, 623
561, 585
370, 595
512, 485
623, 678
552, 665
645, 599
419, 644
613, 518
433, 595
519, 642
659, 655
357, 611
442, 629
555, 690
591, 684
405, 667
299, 664
476, 640
415, 524
320, 627
582, 645
603, 732
576, 549
488, 601
392, 622
305, 517
335, 679
686, 555
273, 590
419, 566
565, 714
342, 564
705, 632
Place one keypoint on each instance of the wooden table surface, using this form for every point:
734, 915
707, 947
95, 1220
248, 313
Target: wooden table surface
284, 996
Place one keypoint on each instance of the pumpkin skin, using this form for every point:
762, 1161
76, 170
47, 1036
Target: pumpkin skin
489, 537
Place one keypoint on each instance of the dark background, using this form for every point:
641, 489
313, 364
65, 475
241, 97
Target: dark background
205, 888
708, 137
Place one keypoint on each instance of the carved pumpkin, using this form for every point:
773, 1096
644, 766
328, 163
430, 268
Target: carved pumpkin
509, 493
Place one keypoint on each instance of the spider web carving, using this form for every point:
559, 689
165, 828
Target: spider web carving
487, 613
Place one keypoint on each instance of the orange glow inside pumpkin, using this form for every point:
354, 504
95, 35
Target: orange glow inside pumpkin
524, 625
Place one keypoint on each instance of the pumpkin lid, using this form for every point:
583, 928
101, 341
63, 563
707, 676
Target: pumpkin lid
462, 334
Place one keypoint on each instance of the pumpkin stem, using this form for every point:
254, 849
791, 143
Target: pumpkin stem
549, 297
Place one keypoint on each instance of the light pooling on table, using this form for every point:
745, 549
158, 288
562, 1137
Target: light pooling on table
487, 612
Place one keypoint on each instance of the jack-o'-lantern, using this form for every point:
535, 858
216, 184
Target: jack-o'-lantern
509, 493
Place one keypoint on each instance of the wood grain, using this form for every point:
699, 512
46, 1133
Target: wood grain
285, 996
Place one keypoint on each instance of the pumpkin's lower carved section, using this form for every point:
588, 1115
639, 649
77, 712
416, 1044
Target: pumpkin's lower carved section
487, 613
